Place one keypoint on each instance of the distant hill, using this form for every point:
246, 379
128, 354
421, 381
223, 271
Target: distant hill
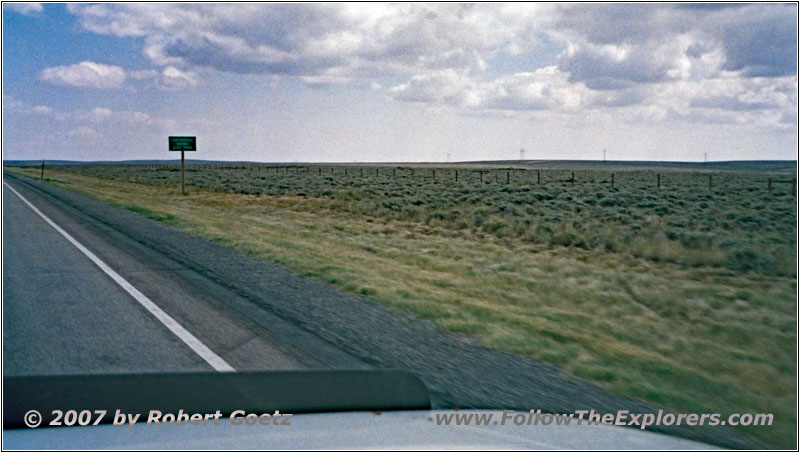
759, 166
119, 162
767, 166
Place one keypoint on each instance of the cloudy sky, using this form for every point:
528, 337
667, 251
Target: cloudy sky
407, 82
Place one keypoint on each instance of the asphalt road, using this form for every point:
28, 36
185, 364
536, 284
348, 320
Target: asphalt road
63, 315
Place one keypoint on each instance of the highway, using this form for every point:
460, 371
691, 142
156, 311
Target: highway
64, 315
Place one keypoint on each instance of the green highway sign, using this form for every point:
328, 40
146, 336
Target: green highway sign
182, 143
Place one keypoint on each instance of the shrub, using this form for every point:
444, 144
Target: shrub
747, 259
569, 239
496, 227
696, 241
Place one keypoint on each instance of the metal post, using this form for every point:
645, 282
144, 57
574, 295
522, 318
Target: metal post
183, 189
42, 176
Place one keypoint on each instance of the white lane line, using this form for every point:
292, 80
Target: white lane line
217, 362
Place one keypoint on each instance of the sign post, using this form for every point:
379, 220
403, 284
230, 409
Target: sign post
182, 144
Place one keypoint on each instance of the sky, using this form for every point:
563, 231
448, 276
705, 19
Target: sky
379, 82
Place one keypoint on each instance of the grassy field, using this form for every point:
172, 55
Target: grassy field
683, 294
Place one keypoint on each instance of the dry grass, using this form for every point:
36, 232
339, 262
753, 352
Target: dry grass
690, 339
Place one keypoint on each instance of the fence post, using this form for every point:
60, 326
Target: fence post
42, 176
434, 174
573, 178
612, 180
508, 176
769, 185
658, 181
456, 175
538, 177
709, 182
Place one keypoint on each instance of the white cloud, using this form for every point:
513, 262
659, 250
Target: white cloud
441, 87
12, 104
648, 62
85, 74
607, 45
314, 40
735, 100
547, 88
99, 114
83, 131
28, 9
674, 42
88, 74
170, 78
143, 74
173, 78
94, 116
106, 115
43, 110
